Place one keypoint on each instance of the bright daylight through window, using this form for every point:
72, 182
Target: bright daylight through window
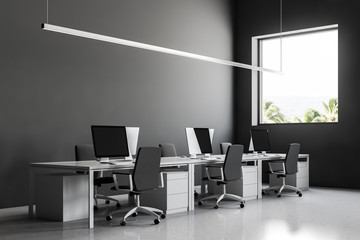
307, 92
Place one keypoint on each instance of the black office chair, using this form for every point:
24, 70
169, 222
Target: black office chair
231, 170
289, 167
223, 149
168, 150
145, 177
86, 152
224, 146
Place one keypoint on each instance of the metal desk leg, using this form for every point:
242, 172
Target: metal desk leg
91, 199
191, 176
259, 179
31, 192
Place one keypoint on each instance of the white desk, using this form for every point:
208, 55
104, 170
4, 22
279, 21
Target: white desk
94, 166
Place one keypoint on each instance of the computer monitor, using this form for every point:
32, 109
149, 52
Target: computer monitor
199, 141
109, 141
259, 141
132, 135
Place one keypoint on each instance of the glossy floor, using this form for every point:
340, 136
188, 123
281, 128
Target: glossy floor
329, 214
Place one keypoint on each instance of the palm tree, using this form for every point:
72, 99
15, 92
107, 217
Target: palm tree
272, 113
311, 115
331, 110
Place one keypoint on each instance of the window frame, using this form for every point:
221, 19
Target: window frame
256, 76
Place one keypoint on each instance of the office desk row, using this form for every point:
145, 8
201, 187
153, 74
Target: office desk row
95, 166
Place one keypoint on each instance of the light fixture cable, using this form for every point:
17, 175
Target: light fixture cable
47, 11
281, 37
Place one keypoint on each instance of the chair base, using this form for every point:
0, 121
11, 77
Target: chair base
134, 212
278, 189
220, 197
108, 199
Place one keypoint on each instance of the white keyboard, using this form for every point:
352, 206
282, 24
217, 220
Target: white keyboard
211, 159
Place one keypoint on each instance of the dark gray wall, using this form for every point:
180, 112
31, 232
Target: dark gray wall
53, 86
333, 148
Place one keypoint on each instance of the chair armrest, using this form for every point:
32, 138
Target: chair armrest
117, 183
213, 166
161, 180
280, 171
220, 165
123, 173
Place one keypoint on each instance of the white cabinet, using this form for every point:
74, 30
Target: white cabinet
61, 197
299, 180
173, 197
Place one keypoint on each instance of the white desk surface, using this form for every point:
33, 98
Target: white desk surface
165, 161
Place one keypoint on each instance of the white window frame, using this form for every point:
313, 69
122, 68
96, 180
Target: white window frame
255, 75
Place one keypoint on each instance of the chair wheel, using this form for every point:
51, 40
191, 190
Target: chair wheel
200, 203
279, 195
122, 223
107, 201
216, 206
134, 214
195, 194
263, 193
95, 207
108, 218
156, 221
163, 216
276, 191
118, 205
300, 194
242, 205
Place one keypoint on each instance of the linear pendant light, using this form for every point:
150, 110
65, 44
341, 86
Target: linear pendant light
104, 38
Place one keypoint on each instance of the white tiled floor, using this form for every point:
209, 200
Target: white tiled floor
329, 214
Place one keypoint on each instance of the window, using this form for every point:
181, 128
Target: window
307, 92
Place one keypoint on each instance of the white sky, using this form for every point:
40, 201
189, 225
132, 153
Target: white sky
310, 65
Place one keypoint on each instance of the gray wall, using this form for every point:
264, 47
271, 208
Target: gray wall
334, 161
53, 86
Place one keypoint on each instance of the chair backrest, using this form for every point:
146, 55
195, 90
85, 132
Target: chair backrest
224, 146
291, 160
168, 150
147, 169
233, 163
84, 152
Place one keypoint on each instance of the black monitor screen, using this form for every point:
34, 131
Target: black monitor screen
110, 141
203, 138
260, 138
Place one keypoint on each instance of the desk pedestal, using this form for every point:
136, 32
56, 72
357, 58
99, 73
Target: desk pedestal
61, 197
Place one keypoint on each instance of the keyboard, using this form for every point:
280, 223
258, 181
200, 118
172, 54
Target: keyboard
212, 158
121, 162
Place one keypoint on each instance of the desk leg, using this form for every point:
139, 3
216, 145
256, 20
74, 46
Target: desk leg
259, 179
91, 198
31, 192
191, 176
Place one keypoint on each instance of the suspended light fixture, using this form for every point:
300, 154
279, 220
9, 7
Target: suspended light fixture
124, 42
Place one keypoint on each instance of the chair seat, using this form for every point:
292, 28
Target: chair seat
216, 179
103, 180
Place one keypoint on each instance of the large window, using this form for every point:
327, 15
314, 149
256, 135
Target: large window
307, 92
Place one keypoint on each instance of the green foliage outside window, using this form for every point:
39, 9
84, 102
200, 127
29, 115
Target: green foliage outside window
272, 114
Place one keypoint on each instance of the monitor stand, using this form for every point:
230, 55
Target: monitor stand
207, 155
104, 160
193, 156
263, 153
